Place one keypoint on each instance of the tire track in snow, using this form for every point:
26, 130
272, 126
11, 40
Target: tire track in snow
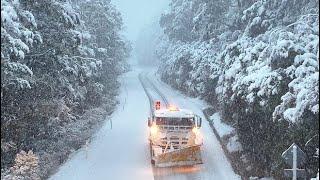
168, 173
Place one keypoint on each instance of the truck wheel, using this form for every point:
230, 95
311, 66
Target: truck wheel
151, 153
150, 146
152, 161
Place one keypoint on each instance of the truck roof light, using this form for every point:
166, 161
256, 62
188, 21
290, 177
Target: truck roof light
157, 105
173, 108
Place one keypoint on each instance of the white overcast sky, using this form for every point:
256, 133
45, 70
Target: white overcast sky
139, 13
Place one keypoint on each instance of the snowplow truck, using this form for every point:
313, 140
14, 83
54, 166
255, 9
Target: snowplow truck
175, 139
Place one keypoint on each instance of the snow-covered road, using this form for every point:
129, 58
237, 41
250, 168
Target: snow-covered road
119, 153
122, 153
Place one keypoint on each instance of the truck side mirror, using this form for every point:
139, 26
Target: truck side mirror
199, 122
149, 122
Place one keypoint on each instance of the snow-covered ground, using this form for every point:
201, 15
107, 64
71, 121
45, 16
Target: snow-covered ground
119, 153
122, 152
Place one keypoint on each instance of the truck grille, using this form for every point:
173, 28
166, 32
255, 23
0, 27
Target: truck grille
168, 127
176, 142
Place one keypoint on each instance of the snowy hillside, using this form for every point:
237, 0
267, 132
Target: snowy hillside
257, 63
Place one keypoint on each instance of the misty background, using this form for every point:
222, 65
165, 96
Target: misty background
141, 26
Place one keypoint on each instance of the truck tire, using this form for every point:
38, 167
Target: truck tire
151, 153
152, 161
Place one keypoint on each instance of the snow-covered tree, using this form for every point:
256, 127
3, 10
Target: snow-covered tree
59, 60
18, 35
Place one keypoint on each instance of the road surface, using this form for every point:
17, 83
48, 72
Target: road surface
121, 152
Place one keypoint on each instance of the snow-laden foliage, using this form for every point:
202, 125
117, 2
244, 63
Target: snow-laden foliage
257, 63
59, 59
191, 20
17, 36
303, 94
197, 67
258, 68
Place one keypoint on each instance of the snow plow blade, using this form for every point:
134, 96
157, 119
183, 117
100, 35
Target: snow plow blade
182, 157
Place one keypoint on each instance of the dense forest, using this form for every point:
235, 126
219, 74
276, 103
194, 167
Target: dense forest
60, 61
257, 63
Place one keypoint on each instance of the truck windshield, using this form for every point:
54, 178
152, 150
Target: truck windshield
174, 121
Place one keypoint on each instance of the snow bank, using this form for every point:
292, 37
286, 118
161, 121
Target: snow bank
264, 178
222, 128
234, 145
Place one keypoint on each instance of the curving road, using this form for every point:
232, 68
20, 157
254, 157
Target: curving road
122, 152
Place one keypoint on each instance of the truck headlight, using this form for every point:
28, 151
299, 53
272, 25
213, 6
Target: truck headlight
198, 136
154, 129
195, 130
